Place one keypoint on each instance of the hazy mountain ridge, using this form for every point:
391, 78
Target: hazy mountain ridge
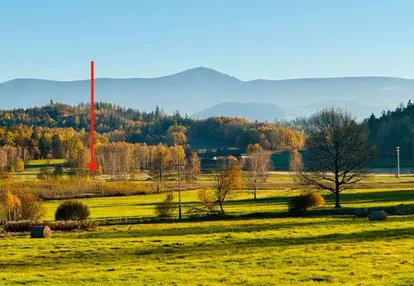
252, 111
195, 90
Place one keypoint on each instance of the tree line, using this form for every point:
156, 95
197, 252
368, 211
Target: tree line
338, 150
391, 129
116, 123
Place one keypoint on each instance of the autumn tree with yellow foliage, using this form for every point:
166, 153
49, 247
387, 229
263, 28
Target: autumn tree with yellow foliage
228, 178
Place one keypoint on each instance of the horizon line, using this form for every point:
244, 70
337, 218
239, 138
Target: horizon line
211, 69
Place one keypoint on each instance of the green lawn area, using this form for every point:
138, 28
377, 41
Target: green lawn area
323, 250
305, 251
42, 162
241, 202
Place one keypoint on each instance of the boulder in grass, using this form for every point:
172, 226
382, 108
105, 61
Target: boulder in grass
361, 212
377, 215
40, 232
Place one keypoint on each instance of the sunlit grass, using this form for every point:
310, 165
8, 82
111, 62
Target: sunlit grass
241, 202
41, 162
289, 251
314, 250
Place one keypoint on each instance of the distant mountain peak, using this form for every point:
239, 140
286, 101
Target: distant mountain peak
196, 89
204, 72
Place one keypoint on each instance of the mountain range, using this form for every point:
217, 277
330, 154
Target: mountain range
203, 92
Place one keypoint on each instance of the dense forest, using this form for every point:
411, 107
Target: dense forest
391, 129
58, 130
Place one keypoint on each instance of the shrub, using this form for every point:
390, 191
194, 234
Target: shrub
314, 199
44, 174
207, 199
166, 208
72, 210
58, 171
4, 176
19, 165
31, 207
299, 204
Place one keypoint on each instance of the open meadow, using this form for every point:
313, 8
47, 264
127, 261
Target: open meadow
254, 244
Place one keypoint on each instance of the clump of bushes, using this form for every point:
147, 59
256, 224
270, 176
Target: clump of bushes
72, 210
20, 205
166, 208
44, 174
299, 204
23, 226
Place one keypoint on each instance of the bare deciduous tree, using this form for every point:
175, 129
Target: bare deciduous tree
258, 165
193, 167
337, 151
295, 163
162, 163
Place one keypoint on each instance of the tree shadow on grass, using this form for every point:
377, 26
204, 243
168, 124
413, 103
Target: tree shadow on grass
260, 201
177, 250
236, 202
375, 197
354, 237
217, 229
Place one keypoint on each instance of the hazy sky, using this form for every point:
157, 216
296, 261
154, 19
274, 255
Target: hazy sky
246, 39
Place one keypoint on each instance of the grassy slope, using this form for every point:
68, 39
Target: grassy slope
278, 251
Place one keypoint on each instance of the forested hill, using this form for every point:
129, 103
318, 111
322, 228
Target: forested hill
391, 129
115, 123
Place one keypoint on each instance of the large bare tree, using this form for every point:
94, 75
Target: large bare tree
337, 151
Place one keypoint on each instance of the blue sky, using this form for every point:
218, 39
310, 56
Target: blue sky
246, 39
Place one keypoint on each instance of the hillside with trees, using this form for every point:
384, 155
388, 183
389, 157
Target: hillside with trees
391, 129
60, 131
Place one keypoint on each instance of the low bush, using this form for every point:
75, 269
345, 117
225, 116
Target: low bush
166, 208
207, 199
299, 204
314, 198
23, 226
72, 210
32, 207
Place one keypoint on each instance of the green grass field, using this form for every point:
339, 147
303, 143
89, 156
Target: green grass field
323, 250
305, 251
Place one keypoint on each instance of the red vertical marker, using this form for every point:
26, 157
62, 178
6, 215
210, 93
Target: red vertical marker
92, 164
